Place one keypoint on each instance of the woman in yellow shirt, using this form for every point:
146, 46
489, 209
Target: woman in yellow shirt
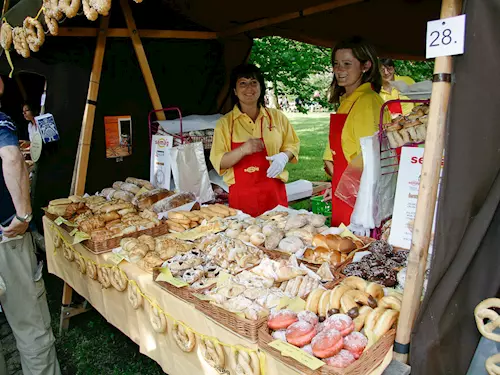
355, 88
252, 145
388, 92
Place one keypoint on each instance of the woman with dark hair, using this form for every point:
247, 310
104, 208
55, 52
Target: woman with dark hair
252, 145
389, 92
29, 114
355, 87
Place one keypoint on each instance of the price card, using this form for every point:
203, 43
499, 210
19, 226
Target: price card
142, 191
115, 258
79, 237
298, 354
202, 297
166, 275
297, 305
284, 302
445, 37
58, 221
73, 232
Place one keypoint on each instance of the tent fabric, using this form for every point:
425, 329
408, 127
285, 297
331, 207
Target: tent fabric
466, 257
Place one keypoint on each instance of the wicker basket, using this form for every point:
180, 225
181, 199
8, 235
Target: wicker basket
112, 243
369, 361
185, 293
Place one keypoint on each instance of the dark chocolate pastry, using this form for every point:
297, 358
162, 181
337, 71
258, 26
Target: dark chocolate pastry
381, 247
401, 257
383, 275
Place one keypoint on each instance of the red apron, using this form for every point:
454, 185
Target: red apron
395, 108
253, 192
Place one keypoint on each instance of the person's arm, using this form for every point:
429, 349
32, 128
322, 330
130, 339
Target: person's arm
231, 158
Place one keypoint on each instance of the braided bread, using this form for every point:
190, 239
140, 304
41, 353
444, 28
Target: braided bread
69, 7
246, 364
68, 253
52, 25
134, 296
213, 353
103, 276
102, 7
158, 320
20, 43
89, 12
118, 279
484, 312
6, 36
91, 270
184, 338
80, 263
35, 36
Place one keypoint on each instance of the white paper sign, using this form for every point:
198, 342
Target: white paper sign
47, 126
405, 204
161, 164
36, 146
445, 37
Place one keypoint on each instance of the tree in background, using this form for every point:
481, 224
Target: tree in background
298, 69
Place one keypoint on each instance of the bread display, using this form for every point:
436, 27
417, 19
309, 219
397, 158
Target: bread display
174, 201
408, 129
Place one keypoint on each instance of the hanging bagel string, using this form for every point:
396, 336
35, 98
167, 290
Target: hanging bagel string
35, 35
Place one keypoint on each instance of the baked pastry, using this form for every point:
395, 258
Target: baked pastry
340, 322
342, 359
173, 201
147, 199
393, 135
300, 333
282, 319
356, 343
327, 343
131, 188
139, 182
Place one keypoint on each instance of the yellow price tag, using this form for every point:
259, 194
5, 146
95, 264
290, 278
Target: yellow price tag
166, 275
284, 302
79, 237
297, 305
298, 354
115, 258
58, 221
346, 232
222, 279
202, 297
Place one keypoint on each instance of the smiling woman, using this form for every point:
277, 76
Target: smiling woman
252, 145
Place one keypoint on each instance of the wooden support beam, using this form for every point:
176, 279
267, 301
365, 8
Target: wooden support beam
82, 156
286, 17
5, 7
427, 195
124, 33
141, 56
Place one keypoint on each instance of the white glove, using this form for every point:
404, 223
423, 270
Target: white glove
278, 164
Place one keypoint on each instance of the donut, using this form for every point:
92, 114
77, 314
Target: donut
68, 253
309, 317
341, 360
103, 276
134, 296
118, 279
184, 338
327, 343
91, 270
340, 322
80, 263
355, 282
356, 343
375, 290
158, 320
282, 319
313, 300
300, 333
213, 353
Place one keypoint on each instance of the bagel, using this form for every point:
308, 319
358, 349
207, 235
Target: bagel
6, 36
158, 320
337, 294
35, 36
375, 290
370, 322
355, 282
385, 323
324, 303
246, 364
390, 302
312, 302
91, 270
118, 279
184, 338
134, 296
103, 276
68, 253
362, 298
213, 353
80, 263
348, 306
359, 321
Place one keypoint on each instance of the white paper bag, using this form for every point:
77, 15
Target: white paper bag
161, 164
190, 171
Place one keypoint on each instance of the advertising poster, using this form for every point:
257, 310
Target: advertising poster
118, 131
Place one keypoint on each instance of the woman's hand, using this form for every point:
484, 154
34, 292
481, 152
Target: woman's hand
252, 146
327, 195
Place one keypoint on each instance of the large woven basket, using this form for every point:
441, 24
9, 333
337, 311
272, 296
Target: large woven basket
184, 293
100, 247
369, 361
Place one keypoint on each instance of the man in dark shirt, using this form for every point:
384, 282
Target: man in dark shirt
22, 291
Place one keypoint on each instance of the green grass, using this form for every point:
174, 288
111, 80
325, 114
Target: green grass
92, 346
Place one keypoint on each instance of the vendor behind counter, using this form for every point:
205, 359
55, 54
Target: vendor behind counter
252, 145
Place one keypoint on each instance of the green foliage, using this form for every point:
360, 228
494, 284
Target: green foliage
418, 70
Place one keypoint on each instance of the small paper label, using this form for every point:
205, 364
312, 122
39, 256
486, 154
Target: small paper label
166, 275
73, 232
79, 237
284, 302
297, 305
298, 354
202, 297
115, 258
142, 191
222, 279
445, 37
59, 221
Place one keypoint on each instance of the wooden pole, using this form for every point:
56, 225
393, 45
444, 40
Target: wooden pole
286, 17
427, 196
145, 33
82, 156
141, 56
5, 7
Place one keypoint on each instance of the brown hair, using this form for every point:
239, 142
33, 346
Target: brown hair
363, 51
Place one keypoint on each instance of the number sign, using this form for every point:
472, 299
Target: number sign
445, 37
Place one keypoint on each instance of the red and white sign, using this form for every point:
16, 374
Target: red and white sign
161, 164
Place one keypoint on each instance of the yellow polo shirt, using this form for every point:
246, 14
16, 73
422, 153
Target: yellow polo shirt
280, 138
362, 121
394, 94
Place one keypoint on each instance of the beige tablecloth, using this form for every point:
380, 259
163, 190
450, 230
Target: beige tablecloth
117, 310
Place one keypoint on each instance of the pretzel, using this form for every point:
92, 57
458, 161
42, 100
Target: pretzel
57, 240
134, 296
246, 364
213, 353
80, 262
69, 7
101, 6
158, 320
52, 25
20, 43
103, 276
68, 253
6, 36
118, 279
184, 338
89, 12
483, 311
91, 270
51, 9
35, 36
491, 364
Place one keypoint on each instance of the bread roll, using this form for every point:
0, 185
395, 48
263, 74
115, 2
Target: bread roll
60, 202
117, 185
123, 195
291, 244
342, 244
320, 241
110, 216
139, 182
257, 239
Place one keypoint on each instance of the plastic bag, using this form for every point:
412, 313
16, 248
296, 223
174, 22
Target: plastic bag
348, 186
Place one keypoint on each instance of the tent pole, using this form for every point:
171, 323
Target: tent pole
82, 156
427, 196
141, 56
